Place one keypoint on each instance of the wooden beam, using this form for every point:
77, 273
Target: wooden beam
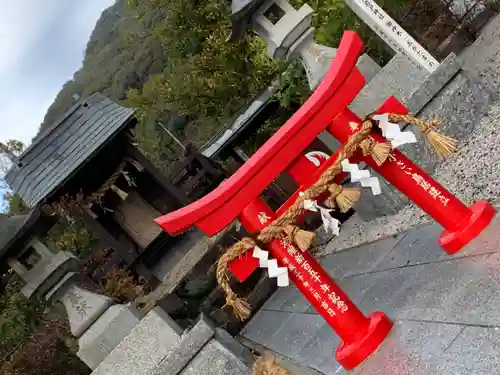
179, 198
126, 250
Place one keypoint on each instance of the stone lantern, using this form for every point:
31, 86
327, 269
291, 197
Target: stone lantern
113, 338
289, 35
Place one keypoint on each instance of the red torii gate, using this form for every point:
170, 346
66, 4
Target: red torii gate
238, 198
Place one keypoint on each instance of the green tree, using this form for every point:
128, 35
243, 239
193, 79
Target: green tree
9, 152
206, 77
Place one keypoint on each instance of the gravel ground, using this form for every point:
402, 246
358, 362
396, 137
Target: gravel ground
459, 173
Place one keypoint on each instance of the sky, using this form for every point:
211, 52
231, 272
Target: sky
42, 44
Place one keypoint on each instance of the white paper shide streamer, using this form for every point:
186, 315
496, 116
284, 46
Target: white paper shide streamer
362, 176
329, 223
393, 133
274, 271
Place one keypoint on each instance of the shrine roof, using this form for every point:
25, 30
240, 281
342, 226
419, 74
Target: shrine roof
12, 228
240, 16
62, 149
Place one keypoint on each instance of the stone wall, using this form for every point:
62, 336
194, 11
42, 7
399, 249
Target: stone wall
157, 346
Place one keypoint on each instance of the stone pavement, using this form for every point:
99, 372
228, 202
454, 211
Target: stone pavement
446, 308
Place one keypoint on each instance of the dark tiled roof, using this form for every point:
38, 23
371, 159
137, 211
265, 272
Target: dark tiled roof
59, 151
11, 228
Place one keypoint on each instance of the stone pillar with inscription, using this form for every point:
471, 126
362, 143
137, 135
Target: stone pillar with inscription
392, 34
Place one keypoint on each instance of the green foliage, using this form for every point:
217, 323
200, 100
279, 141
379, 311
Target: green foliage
18, 315
71, 236
332, 17
207, 78
292, 88
45, 352
263, 133
10, 150
15, 204
120, 285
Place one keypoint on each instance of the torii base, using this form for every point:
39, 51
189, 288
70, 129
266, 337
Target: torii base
452, 241
351, 355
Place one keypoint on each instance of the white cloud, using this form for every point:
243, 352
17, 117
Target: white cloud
41, 46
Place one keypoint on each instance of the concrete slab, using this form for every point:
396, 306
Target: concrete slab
446, 308
474, 351
362, 259
412, 348
287, 299
264, 324
144, 347
419, 245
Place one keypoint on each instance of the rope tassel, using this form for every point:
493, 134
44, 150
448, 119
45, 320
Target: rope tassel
241, 308
285, 223
302, 238
343, 198
378, 151
443, 144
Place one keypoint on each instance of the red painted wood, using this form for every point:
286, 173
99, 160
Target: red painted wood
217, 209
460, 223
360, 335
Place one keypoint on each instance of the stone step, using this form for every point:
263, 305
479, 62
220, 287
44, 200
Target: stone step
144, 347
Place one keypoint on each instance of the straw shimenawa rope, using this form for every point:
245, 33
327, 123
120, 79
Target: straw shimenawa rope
269, 366
275, 230
342, 197
99, 193
443, 144
285, 224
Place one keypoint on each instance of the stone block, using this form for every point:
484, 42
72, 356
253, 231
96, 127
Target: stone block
413, 348
389, 202
432, 84
474, 351
82, 306
329, 141
297, 331
419, 245
287, 299
206, 350
318, 351
144, 347
399, 77
106, 333
368, 67
189, 346
361, 259
219, 357
233, 346
460, 105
